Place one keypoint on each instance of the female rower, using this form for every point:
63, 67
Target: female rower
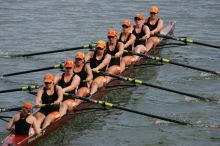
142, 33
84, 71
68, 81
99, 61
24, 121
50, 94
155, 25
116, 50
128, 39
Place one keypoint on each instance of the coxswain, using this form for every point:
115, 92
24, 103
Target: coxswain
128, 39
49, 94
68, 81
155, 25
99, 61
84, 71
24, 123
116, 50
142, 33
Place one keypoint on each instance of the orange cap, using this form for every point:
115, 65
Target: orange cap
49, 77
27, 105
154, 9
68, 63
112, 32
126, 22
80, 55
101, 44
139, 15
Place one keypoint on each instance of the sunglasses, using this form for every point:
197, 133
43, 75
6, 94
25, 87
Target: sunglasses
124, 26
68, 67
99, 48
110, 37
137, 19
79, 59
47, 83
152, 13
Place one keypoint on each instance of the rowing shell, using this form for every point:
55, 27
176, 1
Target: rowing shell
20, 140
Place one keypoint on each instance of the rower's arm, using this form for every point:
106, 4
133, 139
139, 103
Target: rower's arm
105, 62
38, 100
74, 84
60, 95
147, 32
159, 27
89, 56
11, 124
121, 49
89, 73
130, 41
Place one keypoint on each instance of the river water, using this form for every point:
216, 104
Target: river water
33, 26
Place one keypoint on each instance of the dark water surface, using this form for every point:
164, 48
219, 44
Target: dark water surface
32, 26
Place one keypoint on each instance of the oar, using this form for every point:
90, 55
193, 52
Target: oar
185, 40
110, 105
24, 88
165, 60
135, 81
90, 46
57, 66
10, 109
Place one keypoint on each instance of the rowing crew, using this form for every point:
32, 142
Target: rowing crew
83, 79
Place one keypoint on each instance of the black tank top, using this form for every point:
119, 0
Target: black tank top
139, 36
129, 48
64, 84
94, 62
151, 27
22, 127
114, 61
47, 99
82, 74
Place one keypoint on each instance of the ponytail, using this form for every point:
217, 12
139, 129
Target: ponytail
25, 113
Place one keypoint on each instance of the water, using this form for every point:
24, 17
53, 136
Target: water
33, 26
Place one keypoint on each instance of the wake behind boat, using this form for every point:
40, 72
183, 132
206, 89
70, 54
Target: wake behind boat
19, 140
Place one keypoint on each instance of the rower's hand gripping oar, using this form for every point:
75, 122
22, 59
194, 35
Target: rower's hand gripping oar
56, 66
110, 105
24, 88
135, 81
185, 40
165, 60
55, 51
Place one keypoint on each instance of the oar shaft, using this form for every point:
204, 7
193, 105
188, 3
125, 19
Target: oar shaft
48, 52
195, 68
33, 70
25, 88
110, 105
205, 44
178, 92
165, 60
10, 90
131, 80
150, 115
10, 109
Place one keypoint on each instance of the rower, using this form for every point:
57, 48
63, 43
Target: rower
128, 39
142, 33
49, 94
23, 122
116, 50
99, 61
68, 81
84, 71
155, 25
